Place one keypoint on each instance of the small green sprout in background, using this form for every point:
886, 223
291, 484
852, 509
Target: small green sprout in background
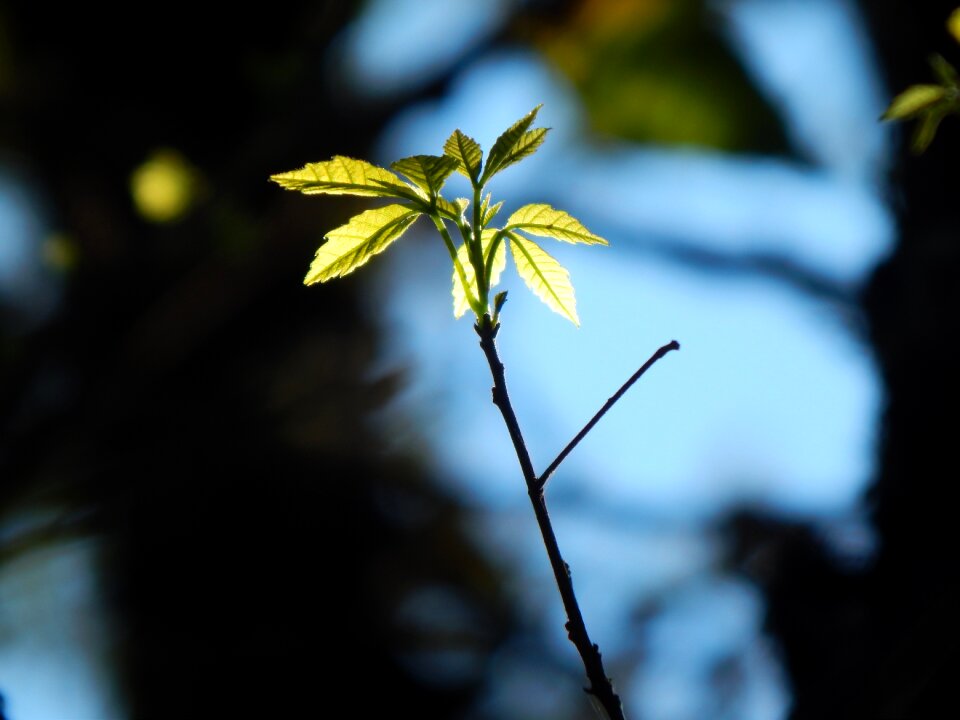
481, 257
929, 104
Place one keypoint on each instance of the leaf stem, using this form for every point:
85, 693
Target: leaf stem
476, 255
452, 249
542, 480
600, 686
491, 255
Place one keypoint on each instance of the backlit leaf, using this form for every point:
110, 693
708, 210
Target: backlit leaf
514, 144
547, 278
344, 176
527, 145
912, 100
488, 211
350, 246
460, 303
428, 172
543, 220
453, 210
466, 151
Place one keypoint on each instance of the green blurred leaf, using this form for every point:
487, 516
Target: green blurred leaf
926, 129
913, 100
428, 172
344, 176
465, 150
514, 144
352, 245
541, 219
545, 277
945, 72
460, 303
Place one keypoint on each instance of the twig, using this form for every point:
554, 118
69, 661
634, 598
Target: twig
600, 686
542, 480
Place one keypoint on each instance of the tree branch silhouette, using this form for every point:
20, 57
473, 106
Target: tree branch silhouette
542, 480
600, 685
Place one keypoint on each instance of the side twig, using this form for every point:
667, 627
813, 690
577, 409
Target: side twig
600, 686
542, 480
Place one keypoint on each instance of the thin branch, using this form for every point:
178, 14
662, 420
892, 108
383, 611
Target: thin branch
600, 686
542, 480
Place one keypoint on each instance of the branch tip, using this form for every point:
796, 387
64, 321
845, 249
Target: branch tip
542, 480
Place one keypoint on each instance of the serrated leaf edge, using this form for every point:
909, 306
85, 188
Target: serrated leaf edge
517, 242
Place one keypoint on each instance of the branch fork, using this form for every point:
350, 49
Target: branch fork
601, 688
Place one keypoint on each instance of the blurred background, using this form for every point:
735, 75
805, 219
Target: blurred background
223, 493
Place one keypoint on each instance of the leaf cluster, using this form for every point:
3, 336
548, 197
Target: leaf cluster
930, 103
480, 255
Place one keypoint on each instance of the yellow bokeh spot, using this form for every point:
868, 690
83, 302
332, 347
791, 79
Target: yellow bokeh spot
953, 24
163, 186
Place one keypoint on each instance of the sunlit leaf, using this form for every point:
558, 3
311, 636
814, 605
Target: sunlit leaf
453, 210
344, 176
527, 145
428, 172
514, 144
460, 303
465, 150
547, 278
463, 204
488, 211
350, 246
912, 100
543, 220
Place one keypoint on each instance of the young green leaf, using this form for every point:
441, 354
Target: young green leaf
913, 100
344, 176
543, 220
514, 144
487, 211
526, 145
545, 277
466, 151
350, 246
460, 303
452, 210
427, 172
